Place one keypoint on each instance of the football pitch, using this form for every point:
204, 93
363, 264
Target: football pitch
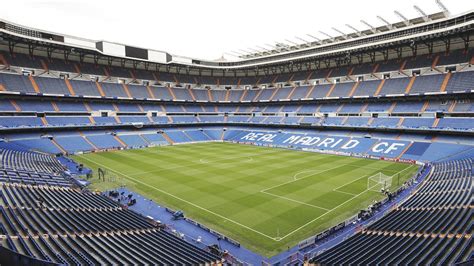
268, 199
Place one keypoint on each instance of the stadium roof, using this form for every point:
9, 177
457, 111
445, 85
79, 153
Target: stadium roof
283, 56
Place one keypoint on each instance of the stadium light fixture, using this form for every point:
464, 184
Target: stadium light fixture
271, 46
315, 38
422, 13
305, 43
263, 48
237, 52
356, 31
388, 24
301, 39
245, 51
301, 42
443, 7
372, 28
281, 46
232, 53
327, 35
292, 42
402, 17
254, 50
343, 35
274, 48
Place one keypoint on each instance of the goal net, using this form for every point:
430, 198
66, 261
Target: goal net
378, 182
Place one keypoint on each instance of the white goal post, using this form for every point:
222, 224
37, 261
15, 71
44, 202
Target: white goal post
378, 182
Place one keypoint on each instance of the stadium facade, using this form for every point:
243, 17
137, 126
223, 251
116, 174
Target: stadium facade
400, 92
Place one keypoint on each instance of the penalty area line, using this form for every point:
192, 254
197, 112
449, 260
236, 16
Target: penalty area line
310, 222
295, 179
324, 214
343, 192
364, 176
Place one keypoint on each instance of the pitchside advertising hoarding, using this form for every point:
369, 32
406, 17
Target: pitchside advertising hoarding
381, 148
314, 239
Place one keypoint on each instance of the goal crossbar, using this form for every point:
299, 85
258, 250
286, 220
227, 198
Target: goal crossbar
379, 182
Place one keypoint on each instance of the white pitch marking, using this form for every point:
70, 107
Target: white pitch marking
329, 210
183, 200
305, 171
263, 191
249, 159
355, 196
348, 193
368, 175
304, 225
291, 181
188, 165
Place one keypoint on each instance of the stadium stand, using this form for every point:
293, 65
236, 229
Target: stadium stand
425, 229
414, 107
63, 225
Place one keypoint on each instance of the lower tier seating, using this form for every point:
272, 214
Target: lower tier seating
433, 226
145, 247
69, 226
29, 161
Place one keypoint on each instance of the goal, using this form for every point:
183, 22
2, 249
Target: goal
378, 182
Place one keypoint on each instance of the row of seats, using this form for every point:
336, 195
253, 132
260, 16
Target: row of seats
408, 145
144, 247
458, 106
53, 197
434, 226
454, 57
459, 81
28, 209
450, 123
29, 161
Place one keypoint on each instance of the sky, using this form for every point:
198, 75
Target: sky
209, 29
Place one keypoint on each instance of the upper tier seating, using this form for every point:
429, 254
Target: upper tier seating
52, 85
113, 89
430, 83
394, 86
88, 88
367, 88
421, 61
17, 83
460, 81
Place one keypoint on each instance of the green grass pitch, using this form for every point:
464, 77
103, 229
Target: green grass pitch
268, 199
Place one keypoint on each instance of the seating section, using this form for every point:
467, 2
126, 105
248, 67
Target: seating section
29, 161
434, 226
52, 85
416, 109
430, 83
21, 113
68, 226
30, 177
74, 143
459, 81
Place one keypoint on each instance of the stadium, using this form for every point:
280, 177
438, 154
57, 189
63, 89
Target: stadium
355, 148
